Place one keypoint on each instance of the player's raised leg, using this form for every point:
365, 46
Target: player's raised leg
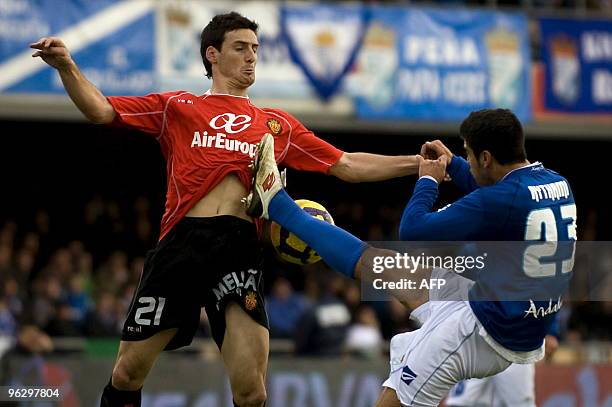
341, 250
268, 200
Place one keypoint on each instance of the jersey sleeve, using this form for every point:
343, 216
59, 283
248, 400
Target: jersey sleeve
459, 170
307, 152
459, 221
145, 113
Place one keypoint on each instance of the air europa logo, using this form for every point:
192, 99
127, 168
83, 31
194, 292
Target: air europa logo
221, 141
230, 122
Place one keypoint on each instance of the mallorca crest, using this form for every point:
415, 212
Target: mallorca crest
324, 41
274, 126
250, 301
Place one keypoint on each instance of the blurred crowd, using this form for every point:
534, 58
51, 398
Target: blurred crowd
82, 286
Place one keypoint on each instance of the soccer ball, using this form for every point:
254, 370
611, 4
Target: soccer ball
291, 248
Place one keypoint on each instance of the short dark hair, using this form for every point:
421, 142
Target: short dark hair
214, 33
496, 130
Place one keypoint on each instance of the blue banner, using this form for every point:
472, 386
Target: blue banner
577, 58
112, 42
441, 65
323, 40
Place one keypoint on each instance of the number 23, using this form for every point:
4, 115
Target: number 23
545, 218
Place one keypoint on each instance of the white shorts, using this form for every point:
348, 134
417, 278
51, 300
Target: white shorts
449, 347
514, 387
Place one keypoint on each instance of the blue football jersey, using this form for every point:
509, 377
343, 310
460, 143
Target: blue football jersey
533, 205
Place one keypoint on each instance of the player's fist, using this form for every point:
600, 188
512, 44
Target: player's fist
53, 51
433, 168
433, 150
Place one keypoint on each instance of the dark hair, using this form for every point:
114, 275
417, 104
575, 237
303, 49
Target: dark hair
214, 33
495, 130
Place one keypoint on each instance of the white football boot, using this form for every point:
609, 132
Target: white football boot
267, 180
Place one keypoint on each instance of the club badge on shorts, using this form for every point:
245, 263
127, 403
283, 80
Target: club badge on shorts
274, 126
250, 301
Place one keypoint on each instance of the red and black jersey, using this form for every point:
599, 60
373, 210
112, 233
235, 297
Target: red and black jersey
204, 138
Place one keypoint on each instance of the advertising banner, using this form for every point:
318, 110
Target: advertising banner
291, 382
112, 42
577, 58
441, 64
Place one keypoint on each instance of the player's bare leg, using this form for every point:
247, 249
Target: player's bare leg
245, 351
135, 359
388, 398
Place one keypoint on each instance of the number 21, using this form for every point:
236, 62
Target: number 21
151, 305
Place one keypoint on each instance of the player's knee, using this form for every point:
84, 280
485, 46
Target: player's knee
251, 396
126, 376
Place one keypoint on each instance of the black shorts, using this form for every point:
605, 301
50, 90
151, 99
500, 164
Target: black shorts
200, 262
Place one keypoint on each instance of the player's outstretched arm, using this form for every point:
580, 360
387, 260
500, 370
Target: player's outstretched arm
365, 167
90, 101
459, 221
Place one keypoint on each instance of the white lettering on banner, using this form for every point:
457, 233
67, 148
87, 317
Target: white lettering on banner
313, 389
424, 85
230, 122
111, 80
9, 7
581, 386
20, 30
221, 142
418, 85
602, 86
597, 46
465, 88
441, 51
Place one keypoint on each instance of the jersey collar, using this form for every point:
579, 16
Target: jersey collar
209, 93
532, 165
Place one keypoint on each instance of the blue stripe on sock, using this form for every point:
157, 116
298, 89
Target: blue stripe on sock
336, 246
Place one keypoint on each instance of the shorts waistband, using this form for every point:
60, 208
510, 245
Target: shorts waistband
214, 221
210, 226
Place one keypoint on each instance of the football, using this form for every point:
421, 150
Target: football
291, 248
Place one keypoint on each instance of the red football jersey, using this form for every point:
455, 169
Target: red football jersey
204, 138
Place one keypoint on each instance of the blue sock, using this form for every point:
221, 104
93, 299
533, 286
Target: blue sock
336, 246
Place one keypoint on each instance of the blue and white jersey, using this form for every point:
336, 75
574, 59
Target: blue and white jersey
530, 204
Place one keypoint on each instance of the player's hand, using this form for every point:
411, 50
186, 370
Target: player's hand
433, 150
433, 168
53, 51
551, 344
